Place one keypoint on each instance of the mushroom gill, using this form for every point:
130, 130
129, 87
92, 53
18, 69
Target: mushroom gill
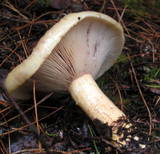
83, 50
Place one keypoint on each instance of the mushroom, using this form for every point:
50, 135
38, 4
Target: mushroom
69, 57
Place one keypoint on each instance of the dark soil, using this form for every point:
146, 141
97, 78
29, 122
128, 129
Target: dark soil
133, 83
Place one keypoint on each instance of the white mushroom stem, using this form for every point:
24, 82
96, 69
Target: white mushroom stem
93, 101
96, 104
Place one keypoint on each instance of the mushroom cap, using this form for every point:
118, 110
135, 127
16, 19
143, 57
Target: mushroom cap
80, 43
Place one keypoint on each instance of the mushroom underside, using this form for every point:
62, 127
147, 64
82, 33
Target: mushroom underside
90, 47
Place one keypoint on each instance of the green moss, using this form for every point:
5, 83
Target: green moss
44, 3
150, 73
142, 8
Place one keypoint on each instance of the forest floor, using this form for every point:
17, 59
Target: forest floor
133, 83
